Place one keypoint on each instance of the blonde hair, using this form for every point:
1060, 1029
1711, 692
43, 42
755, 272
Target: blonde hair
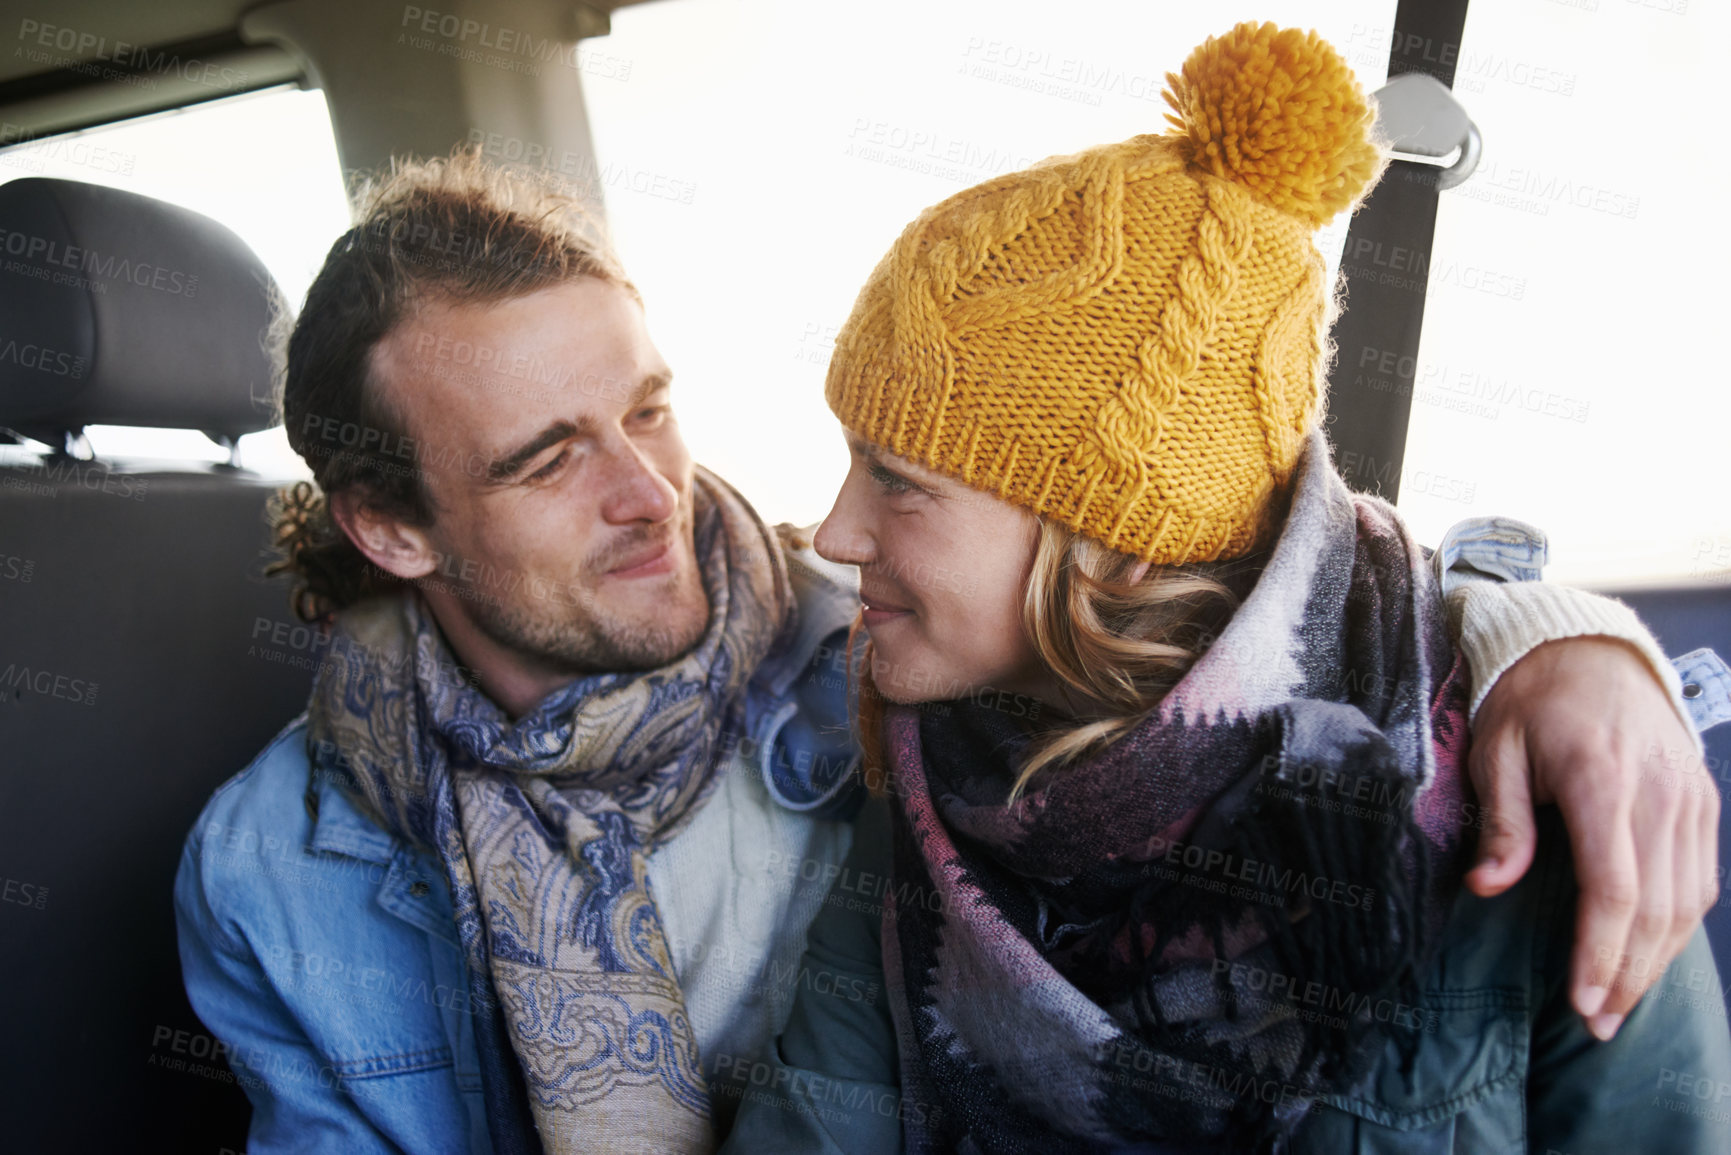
1116, 640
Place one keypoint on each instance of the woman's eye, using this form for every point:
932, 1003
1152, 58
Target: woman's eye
552, 467
892, 483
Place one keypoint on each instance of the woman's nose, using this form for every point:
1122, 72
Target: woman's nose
842, 538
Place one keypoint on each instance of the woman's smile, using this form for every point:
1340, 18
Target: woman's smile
878, 610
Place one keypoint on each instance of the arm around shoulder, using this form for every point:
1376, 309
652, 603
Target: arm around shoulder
1500, 623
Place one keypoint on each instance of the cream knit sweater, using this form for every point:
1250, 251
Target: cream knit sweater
1499, 622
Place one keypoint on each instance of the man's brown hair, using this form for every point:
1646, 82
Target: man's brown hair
455, 230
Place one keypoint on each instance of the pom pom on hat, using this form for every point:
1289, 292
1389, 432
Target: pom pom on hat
1278, 112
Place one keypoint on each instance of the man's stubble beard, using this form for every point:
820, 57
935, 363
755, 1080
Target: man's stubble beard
585, 638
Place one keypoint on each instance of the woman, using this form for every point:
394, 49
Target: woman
1169, 721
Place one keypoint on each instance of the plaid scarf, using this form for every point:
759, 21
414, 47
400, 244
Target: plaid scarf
544, 828
1185, 939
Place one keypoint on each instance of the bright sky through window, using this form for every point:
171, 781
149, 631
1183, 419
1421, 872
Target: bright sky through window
263, 164
1568, 374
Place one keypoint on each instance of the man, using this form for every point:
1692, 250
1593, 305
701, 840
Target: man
539, 860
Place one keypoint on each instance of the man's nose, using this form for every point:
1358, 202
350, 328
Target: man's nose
638, 491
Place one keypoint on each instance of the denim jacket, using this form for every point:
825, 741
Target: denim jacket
322, 954
1504, 1063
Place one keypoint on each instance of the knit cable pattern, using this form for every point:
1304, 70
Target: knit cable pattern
1128, 340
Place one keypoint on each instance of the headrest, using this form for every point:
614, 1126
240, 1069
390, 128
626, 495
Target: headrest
118, 309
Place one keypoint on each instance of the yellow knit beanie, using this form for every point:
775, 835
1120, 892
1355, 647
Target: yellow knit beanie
1130, 340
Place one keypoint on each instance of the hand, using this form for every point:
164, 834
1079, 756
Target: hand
1583, 722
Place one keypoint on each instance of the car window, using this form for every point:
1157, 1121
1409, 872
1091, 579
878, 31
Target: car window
1568, 372
264, 164
758, 158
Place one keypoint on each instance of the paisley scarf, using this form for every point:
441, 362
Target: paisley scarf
1182, 941
544, 828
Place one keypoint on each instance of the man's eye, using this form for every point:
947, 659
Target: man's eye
892, 483
552, 467
652, 415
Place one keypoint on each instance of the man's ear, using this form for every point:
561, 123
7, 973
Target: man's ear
388, 542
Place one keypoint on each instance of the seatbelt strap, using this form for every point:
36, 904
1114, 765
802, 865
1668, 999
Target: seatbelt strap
1386, 264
